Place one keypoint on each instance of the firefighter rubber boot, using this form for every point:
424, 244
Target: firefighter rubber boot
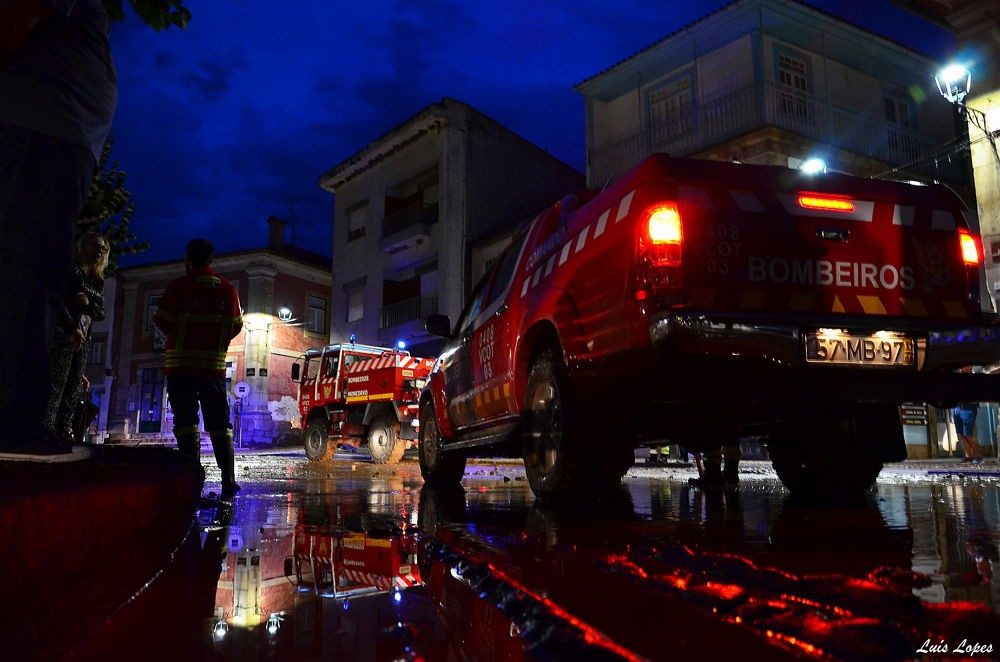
222, 444
188, 440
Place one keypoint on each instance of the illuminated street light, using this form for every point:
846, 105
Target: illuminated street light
273, 623
221, 629
954, 82
285, 314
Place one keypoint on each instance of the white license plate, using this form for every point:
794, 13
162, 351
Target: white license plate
845, 348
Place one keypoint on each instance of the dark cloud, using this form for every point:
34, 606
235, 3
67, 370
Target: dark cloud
212, 79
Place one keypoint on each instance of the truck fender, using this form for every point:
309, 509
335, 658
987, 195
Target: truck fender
557, 331
376, 409
314, 413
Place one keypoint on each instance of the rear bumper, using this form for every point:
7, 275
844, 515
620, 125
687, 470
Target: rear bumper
754, 362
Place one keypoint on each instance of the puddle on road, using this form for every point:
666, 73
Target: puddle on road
359, 562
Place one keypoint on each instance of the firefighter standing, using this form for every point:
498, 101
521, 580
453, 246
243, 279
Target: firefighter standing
715, 474
200, 313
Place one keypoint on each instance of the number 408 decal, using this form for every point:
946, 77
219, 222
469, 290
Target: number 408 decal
485, 350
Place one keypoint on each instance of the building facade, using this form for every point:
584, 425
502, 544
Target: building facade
771, 82
285, 294
420, 212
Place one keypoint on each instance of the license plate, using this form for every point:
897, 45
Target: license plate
844, 348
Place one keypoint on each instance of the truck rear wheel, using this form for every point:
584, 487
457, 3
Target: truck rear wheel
318, 448
440, 468
835, 457
383, 441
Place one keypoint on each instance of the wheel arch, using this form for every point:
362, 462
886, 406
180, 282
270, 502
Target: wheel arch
316, 412
434, 395
375, 409
539, 336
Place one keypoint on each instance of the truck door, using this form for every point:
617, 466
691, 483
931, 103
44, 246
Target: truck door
327, 377
493, 342
456, 366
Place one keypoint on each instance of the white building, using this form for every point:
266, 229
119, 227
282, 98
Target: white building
773, 82
420, 212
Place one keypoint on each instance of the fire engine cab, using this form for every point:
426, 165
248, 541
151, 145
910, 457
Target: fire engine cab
703, 301
359, 394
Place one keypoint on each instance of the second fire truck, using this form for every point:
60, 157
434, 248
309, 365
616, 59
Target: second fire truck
354, 395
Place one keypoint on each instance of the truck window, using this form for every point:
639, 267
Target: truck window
474, 307
310, 369
504, 270
331, 365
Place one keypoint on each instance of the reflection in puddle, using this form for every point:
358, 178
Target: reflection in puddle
368, 565
956, 537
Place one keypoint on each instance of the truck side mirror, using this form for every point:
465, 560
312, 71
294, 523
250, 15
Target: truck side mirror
438, 325
296, 370
289, 568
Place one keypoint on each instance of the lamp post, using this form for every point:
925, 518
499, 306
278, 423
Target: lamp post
954, 82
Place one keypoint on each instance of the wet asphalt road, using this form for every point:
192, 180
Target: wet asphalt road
353, 561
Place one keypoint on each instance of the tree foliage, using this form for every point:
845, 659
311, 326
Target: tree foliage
157, 14
109, 208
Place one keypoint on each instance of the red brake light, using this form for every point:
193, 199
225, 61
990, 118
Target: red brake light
660, 237
825, 203
664, 223
971, 252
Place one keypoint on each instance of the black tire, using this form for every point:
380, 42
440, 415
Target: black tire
834, 458
383, 441
440, 468
549, 429
316, 441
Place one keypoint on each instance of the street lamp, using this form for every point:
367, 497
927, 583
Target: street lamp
954, 82
285, 314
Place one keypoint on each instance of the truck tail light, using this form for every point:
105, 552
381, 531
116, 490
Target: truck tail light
972, 255
971, 249
659, 260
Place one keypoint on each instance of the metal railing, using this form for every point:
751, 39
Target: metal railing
753, 108
416, 308
409, 216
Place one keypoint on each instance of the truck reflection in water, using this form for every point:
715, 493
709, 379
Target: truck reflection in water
332, 585
365, 570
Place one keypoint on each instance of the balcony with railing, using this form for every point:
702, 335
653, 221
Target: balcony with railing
760, 106
408, 310
402, 228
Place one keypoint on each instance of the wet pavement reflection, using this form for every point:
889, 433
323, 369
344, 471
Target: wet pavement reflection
357, 562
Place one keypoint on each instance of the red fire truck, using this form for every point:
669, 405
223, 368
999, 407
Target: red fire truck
356, 394
347, 564
704, 301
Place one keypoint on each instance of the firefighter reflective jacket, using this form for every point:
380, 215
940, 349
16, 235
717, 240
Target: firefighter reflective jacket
200, 314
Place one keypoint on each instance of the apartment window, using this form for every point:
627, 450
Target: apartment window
793, 75
355, 304
897, 112
315, 314
98, 349
897, 116
357, 218
671, 111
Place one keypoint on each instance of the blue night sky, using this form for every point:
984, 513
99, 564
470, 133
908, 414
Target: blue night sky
232, 120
